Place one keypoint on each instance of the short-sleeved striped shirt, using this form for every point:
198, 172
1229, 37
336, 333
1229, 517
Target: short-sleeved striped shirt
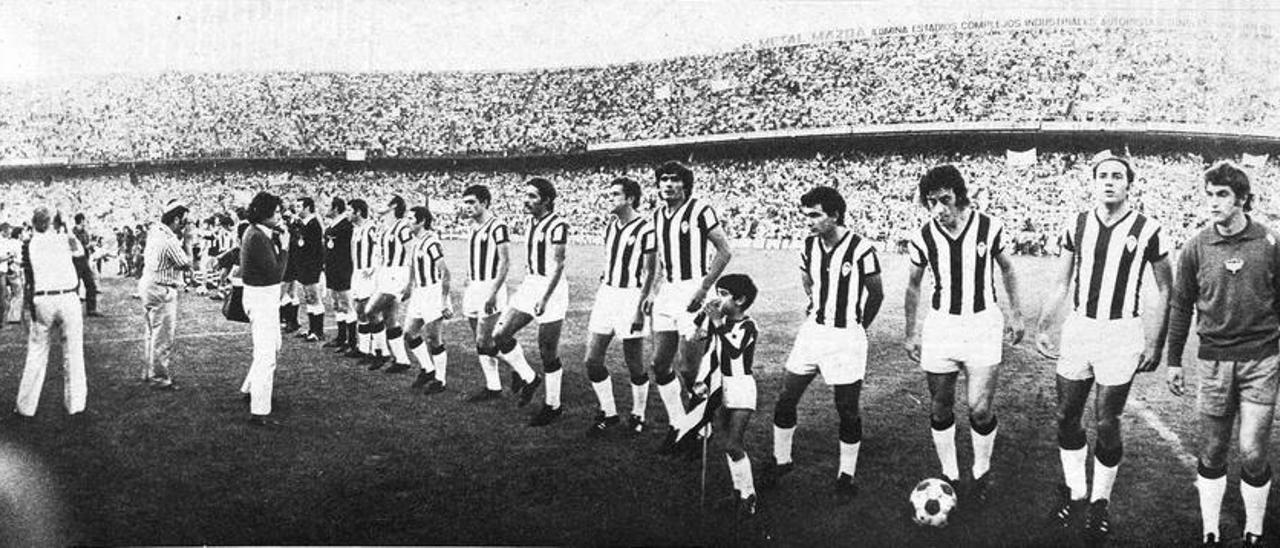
1109, 262
364, 246
164, 258
427, 255
627, 244
544, 233
733, 346
485, 239
683, 239
395, 243
839, 276
962, 266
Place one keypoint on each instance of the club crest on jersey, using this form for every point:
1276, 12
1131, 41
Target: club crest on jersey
846, 268
1233, 264
1131, 243
982, 249
684, 227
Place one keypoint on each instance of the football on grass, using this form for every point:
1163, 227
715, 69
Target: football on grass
932, 501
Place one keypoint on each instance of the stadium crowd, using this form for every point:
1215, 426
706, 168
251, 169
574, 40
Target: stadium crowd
1068, 74
758, 197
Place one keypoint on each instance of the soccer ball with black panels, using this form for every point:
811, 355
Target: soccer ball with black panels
932, 501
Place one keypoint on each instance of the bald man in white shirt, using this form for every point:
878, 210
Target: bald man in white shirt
50, 299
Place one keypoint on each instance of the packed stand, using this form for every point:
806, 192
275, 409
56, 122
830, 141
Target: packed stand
1071, 74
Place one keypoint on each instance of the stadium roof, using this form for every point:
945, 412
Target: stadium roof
74, 37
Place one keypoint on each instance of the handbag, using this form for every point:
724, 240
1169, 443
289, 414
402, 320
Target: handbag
233, 305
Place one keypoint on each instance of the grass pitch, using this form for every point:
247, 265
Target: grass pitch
361, 459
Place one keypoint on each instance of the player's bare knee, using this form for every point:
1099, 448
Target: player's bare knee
1214, 455
504, 342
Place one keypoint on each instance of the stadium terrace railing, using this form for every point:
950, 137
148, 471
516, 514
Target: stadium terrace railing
992, 134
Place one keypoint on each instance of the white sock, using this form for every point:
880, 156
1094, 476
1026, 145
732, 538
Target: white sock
639, 399
670, 393
944, 443
1255, 505
380, 342
604, 393
364, 343
1103, 478
551, 384
441, 362
782, 443
1211, 491
982, 448
397, 349
424, 357
740, 471
515, 358
489, 365
849, 458
1073, 471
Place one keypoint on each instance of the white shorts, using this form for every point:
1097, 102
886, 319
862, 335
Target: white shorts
739, 392
1106, 350
426, 303
531, 291
613, 312
839, 354
971, 340
671, 308
390, 280
362, 284
473, 298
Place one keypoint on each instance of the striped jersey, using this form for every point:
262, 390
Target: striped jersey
544, 233
395, 243
1109, 262
627, 244
962, 266
839, 277
732, 347
364, 246
427, 256
223, 240
164, 259
683, 239
484, 241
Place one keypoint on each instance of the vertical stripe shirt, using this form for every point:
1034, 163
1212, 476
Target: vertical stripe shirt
1109, 261
364, 246
484, 241
164, 258
732, 348
395, 243
839, 276
962, 265
627, 244
427, 255
683, 239
544, 233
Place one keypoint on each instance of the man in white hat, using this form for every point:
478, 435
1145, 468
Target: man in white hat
50, 298
164, 261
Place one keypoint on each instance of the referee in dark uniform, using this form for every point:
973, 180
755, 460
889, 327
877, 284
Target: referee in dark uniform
288, 303
310, 263
337, 274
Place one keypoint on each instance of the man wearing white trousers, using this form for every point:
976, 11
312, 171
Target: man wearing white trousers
50, 298
263, 256
162, 275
